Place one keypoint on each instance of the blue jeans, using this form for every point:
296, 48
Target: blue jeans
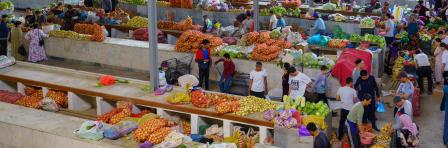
224, 86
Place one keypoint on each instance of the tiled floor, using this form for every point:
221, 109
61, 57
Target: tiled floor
430, 121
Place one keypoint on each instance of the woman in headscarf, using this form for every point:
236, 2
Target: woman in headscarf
408, 134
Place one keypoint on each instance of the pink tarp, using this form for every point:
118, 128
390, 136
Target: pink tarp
346, 63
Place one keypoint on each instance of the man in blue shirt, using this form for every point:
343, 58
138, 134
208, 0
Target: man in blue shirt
320, 85
4, 33
319, 25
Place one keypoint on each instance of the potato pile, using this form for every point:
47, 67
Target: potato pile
149, 127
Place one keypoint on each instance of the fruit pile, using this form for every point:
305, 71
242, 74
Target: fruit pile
145, 130
398, 67
227, 107
69, 34
251, 104
138, 22
95, 30
338, 43
218, 98
29, 101
200, 99
186, 127
291, 3
185, 25
178, 98
191, 40
163, 4
116, 115
6, 5
9, 97
59, 97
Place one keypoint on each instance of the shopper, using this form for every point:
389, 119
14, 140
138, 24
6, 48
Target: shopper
36, 51
280, 21
356, 72
320, 85
444, 105
207, 25
319, 25
406, 88
203, 58
320, 138
298, 82
40, 18
29, 17
272, 20
16, 39
249, 24
4, 32
227, 74
423, 70
445, 62
258, 83
412, 26
285, 79
421, 8
107, 5
390, 29
438, 69
366, 84
70, 18
347, 95
408, 134
402, 106
442, 9
354, 120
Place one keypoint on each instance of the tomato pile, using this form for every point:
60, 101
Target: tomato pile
200, 99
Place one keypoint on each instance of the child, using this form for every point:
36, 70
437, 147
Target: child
258, 83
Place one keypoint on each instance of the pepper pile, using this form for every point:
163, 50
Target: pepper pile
200, 99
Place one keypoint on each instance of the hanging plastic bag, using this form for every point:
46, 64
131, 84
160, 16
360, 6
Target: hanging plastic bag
91, 130
380, 108
48, 104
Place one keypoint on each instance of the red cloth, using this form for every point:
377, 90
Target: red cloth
346, 63
416, 102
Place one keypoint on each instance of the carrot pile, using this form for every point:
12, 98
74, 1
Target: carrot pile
91, 29
266, 48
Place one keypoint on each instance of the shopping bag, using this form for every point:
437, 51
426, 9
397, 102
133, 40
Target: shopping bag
91, 130
380, 108
49, 105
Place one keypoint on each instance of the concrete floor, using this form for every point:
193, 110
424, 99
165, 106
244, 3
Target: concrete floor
430, 121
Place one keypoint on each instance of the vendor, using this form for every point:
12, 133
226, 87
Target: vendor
402, 106
248, 24
30, 19
357, 70
298, 82
70, 17
319, 25
354, 120
203, 58
207, 25
320, 138
280, 21
320, 85
421, 8
412, 25
272, 20
40, 18
366, 84
406, 88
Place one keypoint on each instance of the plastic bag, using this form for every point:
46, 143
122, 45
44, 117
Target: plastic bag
146, 144
380, 108
120, 129
223, 145
91, 130
302, 131
49, 105
188, 79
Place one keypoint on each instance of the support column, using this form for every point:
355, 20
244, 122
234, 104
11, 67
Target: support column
152, 30
256, 9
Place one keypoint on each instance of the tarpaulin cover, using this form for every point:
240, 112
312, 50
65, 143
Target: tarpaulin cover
346, 63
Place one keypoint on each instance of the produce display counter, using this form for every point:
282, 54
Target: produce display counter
126, 29
227, 18
80, 83
26, 127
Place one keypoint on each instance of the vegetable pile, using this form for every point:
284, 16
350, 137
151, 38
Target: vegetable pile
178, 98
95, 30
200, 99
9, 97
367, 22
138, 22
291, 3
69, 34
191, 40
338, 43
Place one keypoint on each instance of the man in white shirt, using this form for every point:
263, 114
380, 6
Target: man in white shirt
348, 97
402, 106
258, 83
272, 20
423, 70
298, 82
